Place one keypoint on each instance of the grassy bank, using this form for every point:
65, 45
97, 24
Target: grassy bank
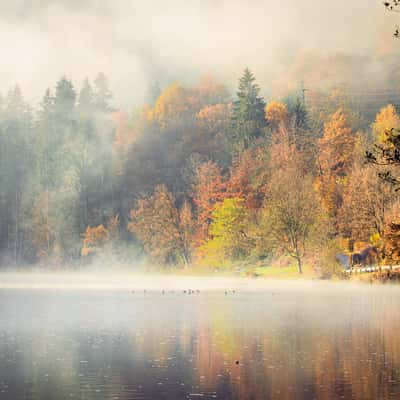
251, 271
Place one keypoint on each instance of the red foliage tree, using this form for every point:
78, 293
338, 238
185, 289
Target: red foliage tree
209, 189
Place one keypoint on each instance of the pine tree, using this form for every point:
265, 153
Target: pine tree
297, 113
86, 98
248, 119
102, 93
64, 101
15, 167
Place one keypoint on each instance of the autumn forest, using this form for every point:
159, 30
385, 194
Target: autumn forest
197, 177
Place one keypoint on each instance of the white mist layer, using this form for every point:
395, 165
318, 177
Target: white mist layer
166, 284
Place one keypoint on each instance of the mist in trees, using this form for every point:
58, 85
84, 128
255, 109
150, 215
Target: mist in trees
195, 177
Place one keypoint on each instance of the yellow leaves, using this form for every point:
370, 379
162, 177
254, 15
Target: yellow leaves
276, 113
171, 105
214, 118
228, 217
336, 126
386, 119
177, 103
228, 231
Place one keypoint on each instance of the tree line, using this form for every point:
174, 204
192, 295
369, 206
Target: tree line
194, 177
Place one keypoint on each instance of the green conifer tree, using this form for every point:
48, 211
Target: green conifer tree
248, 119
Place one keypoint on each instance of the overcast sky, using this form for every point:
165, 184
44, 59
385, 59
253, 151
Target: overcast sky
135, 42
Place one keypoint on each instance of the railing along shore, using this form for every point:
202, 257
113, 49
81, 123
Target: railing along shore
376, 268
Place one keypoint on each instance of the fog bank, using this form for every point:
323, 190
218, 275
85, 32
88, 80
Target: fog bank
138, 42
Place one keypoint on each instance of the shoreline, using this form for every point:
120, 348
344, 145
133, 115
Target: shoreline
156, 282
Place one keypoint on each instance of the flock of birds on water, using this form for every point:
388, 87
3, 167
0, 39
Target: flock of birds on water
184, 292
187, 292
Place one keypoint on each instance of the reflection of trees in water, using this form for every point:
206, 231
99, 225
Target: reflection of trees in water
286, 349
356, 359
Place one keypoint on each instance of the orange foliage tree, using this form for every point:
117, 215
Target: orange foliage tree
367, 200
248, 177
94, 238
163, 230
97, 237
291, 208
336, 155
209, 189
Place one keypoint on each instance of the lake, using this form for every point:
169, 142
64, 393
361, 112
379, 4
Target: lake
243, 341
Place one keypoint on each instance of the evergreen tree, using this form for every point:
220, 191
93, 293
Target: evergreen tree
248, 118
46, 143
102, 93
65, 97
297, 113
46, 106
86, 98
15, 166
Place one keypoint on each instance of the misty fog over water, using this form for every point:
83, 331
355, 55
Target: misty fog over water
282, 342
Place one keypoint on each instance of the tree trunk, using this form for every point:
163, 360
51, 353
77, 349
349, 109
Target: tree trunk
185, 260
16, 238
299, 265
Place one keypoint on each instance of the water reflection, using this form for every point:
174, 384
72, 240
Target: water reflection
290, 345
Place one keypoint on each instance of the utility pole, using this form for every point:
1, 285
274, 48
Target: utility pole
303, 92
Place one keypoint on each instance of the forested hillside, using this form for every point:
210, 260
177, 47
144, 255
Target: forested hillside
198, 176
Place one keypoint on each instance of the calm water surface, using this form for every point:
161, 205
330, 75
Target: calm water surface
328, 343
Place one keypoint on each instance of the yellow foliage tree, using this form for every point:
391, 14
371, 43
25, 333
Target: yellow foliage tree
171, 106
228, 232
276, 114
385, 120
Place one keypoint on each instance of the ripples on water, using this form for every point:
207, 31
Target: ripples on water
333, 344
